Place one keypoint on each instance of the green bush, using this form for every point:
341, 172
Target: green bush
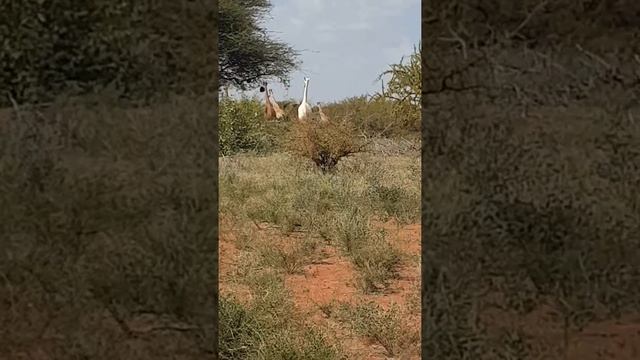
242, 126
394, 111
403, 91
377, 116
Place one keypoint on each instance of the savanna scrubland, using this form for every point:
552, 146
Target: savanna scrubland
108, 150
319, 231
109, 154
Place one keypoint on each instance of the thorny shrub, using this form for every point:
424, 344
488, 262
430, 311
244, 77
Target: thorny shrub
323, 143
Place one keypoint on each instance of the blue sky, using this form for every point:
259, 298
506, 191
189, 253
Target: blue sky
343, 44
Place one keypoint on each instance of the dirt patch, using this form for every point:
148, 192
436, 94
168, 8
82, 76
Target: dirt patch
331, 278
406, 237
227, 251
228, 254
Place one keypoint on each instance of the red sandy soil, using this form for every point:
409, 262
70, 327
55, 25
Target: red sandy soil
227, 255
333, 279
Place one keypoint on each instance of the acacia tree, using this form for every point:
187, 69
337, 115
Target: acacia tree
247, 54
144, 50
406, 79
403, 89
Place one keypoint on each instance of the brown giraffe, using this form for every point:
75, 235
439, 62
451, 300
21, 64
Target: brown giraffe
323, 117
269, 112
279, 112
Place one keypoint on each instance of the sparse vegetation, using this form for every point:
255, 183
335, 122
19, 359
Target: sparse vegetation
266, 329
377, 261
318, 197
287, 215
386, 327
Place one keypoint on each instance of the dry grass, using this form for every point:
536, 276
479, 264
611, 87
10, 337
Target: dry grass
287, 211
267, 328
277, 189
385, 327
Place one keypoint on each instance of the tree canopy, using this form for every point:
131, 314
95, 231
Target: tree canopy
405, 81
247, 54
143, 50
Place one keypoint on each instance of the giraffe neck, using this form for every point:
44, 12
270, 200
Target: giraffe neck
306, 90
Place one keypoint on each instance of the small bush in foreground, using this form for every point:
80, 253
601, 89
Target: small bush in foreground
323, 143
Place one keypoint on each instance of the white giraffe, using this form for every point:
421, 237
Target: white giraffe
304, 110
